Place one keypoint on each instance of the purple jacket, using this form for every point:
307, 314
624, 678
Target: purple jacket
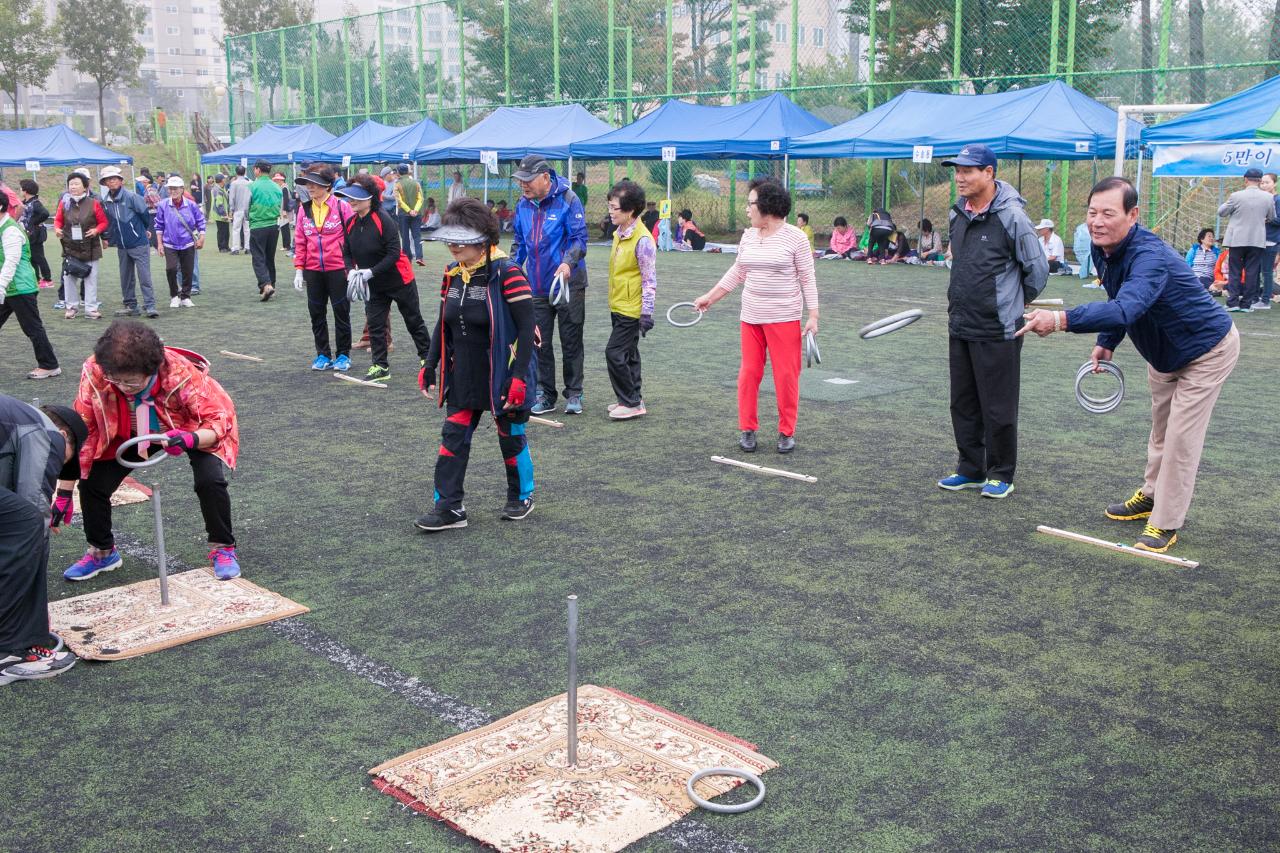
178, 227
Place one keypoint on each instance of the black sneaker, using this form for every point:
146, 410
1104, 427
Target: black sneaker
127, 312
786, 443
748, 441
438, 520
516, 510
1138, 506
1156, 539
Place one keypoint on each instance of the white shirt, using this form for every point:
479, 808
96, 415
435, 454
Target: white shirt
1053, 247
457, 190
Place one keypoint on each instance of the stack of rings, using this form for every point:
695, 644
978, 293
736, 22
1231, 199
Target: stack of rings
812, 355
558, 293
1099, 405
889, 324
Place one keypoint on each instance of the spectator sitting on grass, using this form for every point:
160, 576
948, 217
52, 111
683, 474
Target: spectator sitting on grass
691, 237
900, 249
802, 222
1203, 256
1054, 251
844, 242
929, 249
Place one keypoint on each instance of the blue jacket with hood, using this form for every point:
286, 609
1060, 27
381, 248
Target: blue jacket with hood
548, 233
128, 219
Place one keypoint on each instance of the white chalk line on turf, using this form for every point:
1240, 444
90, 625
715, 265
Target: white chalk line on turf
686, 834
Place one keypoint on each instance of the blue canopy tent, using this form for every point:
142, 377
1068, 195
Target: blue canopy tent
514, 132
368, 135
1048, 122
1222, 139
276, 143
406, 140
58, 145
757, 130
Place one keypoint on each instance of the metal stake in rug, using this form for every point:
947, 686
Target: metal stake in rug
573, 681
150, 461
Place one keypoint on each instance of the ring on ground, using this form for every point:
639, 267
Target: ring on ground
1099, 405
746, 775
154, 459
697, 315
812, 355
892, 323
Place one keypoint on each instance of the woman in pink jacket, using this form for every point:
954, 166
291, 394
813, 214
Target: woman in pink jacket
321, 271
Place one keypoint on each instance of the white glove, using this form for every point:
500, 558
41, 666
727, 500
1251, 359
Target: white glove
357, 286
365, 275
298, 284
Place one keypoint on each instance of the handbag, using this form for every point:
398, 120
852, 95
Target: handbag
76, 268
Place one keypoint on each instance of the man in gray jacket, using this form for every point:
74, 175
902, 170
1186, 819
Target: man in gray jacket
1250, 210
997, 267
239, 194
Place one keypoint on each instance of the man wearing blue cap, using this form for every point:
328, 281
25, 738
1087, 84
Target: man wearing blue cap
997, 267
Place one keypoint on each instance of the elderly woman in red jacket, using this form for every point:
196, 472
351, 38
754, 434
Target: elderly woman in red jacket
134, 385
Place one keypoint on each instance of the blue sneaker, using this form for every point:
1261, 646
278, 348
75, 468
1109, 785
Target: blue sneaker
541, 406
225, 565
89, 566
322, 362
573, 406
342, 362
957, 482
997, 489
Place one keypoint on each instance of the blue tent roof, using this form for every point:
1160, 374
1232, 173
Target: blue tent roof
274, 142
1232, 119
366, 136
516, 131
1048, 122
757, 130
407, 140
58, 145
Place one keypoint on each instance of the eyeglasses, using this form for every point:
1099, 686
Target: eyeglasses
752, 204
123, 385
613, 208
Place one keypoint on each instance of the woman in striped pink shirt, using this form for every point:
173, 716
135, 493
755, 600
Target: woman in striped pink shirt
775, 268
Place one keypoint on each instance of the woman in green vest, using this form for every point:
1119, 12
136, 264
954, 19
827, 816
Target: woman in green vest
18, 292
633, 286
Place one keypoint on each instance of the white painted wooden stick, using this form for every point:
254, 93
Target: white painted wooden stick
241, 356
534, 419
345, 378
760, 469
1118, 546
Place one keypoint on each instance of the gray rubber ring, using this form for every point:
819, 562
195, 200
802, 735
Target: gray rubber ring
812, 355
889, 324
153, 459
692, 322
1099, 405
726, 771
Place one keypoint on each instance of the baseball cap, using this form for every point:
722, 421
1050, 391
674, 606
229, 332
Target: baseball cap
531, 166
973, 154
79, 435
110, 172
1044, 223
387, 170
176, 181
403, 168
355, 192
1254, 174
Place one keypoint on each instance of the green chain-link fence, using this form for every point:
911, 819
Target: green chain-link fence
456, 61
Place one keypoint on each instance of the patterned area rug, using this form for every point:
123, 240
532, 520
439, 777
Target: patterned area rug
130, 492
128, 621
508, 785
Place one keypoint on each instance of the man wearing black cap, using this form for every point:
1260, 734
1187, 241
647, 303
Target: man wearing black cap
997, 267
550, 230
35, 445
1250, 210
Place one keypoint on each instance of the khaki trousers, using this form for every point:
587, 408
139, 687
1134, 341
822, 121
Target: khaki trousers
1181, 405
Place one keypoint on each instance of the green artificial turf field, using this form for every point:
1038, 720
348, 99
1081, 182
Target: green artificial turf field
930, 673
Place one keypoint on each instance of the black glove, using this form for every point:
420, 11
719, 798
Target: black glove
646, 324
426, 378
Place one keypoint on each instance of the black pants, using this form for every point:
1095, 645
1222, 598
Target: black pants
323, 289
224, 236
286, 237
571, 319
262, 247
455, 449
984, 407
24, 560
622, 354
878, 243
184, 260
1246, 259
378, 313
40, 262
106, 476
28, 310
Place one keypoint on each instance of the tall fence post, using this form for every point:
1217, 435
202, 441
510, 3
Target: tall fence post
751, 78
1065, 189
347, 54
422, 68
671, 56
368, 87
506, 51
382, 61
871, 90
1054, 35
555, 50
284, 76
257, 89
733, 83
231, 100
315, 69
462, 66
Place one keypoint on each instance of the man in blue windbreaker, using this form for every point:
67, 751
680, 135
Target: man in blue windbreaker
550, 230
1188, 340
129, 230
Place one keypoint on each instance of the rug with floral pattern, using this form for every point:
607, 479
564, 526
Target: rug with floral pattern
509, 786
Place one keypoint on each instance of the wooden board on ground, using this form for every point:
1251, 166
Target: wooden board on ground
760, 469
127, 621
1118, 546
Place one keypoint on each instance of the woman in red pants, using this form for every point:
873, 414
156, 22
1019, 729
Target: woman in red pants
775, 269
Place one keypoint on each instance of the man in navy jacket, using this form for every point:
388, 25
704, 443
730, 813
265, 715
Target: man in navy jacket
129, 230
550, 231
1188, 340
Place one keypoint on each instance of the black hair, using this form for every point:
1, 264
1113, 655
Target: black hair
366, 183
803, 216
686, 215
1129, 195
29, 186
77, 176
1200, 236
771, 198
840, 222
239, 170
630, 196
583, 175
261, 166
926, 227
4, 202
323, 171
472, 213
128, 346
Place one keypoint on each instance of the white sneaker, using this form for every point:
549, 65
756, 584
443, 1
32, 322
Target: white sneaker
187, 303
173, 303
622, 413
1261, 305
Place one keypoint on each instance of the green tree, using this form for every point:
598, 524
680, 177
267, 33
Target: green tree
259, 56
708, 62
115, 53
25, 53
